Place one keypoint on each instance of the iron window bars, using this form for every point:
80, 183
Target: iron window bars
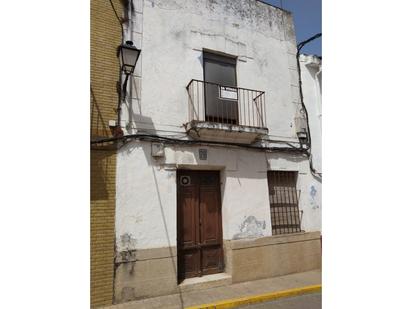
284, 202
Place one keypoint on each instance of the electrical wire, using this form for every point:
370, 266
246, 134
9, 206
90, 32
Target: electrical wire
169, 140
301, 44
118, 18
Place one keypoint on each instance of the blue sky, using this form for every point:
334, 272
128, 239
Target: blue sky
307, 15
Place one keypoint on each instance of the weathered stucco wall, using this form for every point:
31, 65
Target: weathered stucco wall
146, 192
146, 262
311, 67
176, 32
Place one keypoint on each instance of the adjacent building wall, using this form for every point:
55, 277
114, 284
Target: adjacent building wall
311, 68
105, 36
102, 212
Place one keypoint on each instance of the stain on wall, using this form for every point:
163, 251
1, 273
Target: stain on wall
126, 246
128, 294
312, 201
250, 228
127, 240
262, 17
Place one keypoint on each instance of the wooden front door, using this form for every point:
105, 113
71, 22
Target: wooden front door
199, 224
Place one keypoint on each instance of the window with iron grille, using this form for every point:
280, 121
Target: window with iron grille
284, 202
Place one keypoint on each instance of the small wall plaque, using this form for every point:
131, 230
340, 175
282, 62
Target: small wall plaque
203, 154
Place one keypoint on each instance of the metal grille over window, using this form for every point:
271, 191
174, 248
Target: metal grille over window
284, 202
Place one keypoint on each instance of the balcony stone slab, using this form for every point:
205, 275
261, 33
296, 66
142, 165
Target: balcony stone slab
220, 132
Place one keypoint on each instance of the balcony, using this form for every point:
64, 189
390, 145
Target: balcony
223, 113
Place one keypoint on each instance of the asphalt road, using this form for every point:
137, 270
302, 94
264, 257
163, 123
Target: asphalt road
308, 301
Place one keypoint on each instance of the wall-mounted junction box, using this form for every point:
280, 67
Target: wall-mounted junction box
158, 150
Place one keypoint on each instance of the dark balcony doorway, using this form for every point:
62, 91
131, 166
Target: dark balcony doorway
199, 224
221, 93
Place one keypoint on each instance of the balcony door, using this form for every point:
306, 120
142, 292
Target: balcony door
221, 94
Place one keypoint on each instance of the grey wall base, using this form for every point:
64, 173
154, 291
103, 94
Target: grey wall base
152, 272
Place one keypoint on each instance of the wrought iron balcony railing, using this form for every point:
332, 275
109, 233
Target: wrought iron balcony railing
211, 102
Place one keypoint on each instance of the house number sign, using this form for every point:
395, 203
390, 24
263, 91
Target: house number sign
203, 154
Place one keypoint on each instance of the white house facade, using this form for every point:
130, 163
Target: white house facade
213, 184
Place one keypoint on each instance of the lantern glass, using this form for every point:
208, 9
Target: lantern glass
129, 56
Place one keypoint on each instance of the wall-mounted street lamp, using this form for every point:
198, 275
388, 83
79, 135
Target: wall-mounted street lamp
129, 55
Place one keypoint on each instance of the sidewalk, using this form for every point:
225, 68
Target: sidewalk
234, 291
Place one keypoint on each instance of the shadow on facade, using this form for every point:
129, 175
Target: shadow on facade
99, 173
145, 147
173, 257
98, 124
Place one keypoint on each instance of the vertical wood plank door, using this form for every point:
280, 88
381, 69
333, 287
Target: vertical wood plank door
199, 224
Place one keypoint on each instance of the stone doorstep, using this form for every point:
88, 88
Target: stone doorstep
205, 282
205, 295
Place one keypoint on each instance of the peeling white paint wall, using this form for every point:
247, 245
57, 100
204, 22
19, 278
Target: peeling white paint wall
311, 67
172, 34
147, 192
146, 198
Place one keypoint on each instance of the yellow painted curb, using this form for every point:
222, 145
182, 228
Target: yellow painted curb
232, 303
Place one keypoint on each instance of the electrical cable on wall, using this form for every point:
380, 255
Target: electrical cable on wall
118, 18
169, 140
